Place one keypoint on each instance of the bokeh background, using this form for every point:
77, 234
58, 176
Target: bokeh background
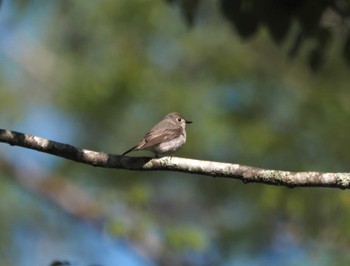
99, 74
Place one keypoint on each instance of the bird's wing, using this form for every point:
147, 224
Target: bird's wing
158, 136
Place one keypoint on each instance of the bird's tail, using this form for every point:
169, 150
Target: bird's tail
133, 148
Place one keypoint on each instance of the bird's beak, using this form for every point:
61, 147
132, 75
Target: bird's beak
188, 122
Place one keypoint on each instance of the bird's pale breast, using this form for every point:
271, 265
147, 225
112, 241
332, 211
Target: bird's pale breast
170, 146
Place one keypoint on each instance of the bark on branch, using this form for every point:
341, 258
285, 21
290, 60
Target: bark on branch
247, 174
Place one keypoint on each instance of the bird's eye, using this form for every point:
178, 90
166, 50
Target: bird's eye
179, 119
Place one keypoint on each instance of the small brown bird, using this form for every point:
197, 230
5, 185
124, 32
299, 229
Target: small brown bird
166, 137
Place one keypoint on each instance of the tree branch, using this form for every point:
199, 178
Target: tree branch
247, 174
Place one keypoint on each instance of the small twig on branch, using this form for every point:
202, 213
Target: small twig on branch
247, 174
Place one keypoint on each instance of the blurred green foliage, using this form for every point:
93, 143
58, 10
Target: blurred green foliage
116, 67
318, 23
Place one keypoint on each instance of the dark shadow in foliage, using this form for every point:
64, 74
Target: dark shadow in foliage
66, 263
188, 9
242, 15
347, 49
60, 263
246, 16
